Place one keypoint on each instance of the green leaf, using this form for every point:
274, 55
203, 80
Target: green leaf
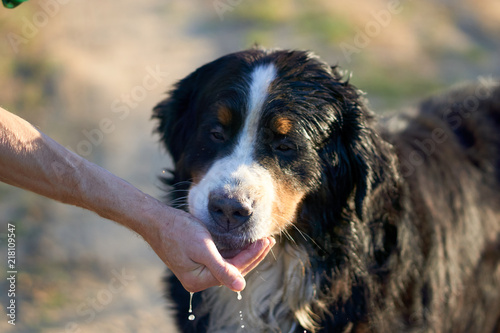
12, 3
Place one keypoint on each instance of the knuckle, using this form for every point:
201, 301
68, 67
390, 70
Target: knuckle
224, 274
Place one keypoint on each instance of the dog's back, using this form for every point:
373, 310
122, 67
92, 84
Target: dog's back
449, 155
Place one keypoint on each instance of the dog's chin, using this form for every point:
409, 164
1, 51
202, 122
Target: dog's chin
229, 247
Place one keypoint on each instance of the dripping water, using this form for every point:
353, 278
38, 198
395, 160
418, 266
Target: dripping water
191, 315
241, 319
239, 297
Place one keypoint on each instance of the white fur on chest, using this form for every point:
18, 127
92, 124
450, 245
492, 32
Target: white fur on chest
276, 299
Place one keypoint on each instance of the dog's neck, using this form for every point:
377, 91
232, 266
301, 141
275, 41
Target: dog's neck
278, 296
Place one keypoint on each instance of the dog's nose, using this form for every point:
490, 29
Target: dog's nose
229, 213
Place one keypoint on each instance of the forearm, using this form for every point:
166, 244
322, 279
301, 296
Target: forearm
113, 198
31, 160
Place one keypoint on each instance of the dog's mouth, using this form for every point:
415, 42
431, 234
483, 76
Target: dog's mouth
231, 253
229, 247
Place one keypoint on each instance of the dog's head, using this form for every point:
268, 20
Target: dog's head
254, 133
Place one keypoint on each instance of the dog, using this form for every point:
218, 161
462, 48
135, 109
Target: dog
385, 224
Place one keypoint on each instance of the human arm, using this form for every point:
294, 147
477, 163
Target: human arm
31, 160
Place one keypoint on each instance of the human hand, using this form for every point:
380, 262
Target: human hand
186, 247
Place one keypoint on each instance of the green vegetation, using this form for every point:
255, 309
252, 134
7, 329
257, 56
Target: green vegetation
392, 88
326, 26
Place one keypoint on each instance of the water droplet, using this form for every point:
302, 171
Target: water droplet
239, 297
191, 316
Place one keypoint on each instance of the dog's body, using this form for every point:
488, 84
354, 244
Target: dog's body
384, 227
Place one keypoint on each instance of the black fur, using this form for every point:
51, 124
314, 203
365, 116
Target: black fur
404, 213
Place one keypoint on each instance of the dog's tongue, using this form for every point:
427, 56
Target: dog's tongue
231, 253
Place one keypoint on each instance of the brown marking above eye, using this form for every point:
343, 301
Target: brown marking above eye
282, 125
224, 115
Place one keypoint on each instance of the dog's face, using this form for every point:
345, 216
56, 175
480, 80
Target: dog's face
248, 134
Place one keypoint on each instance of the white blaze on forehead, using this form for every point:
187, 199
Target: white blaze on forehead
239, 168
260, 80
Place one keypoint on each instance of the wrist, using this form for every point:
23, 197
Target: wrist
115, 199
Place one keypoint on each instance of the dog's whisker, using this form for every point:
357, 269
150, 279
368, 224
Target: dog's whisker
302, 233
179, 201
285, 231
178, 190
180, 206
180, 198
306, 237
259, 274
188, 182
289, 236
274, 256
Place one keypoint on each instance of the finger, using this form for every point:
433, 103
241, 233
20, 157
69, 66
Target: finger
198, 280
224, 272
251, 257
247, 256
258, 260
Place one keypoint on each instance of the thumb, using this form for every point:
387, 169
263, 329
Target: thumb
226, 273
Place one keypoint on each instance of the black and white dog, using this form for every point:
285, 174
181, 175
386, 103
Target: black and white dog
382, 226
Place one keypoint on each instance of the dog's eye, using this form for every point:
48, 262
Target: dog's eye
217, 135
284, 148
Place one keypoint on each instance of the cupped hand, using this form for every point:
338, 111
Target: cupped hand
186, 247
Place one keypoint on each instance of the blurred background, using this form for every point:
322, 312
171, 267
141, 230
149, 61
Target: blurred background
65, 65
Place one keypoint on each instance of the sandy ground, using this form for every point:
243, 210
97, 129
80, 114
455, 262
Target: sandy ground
81, 273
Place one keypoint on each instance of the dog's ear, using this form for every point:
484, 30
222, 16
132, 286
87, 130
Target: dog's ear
349, 160
363, 160
372, 166
176, 114
357, 159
